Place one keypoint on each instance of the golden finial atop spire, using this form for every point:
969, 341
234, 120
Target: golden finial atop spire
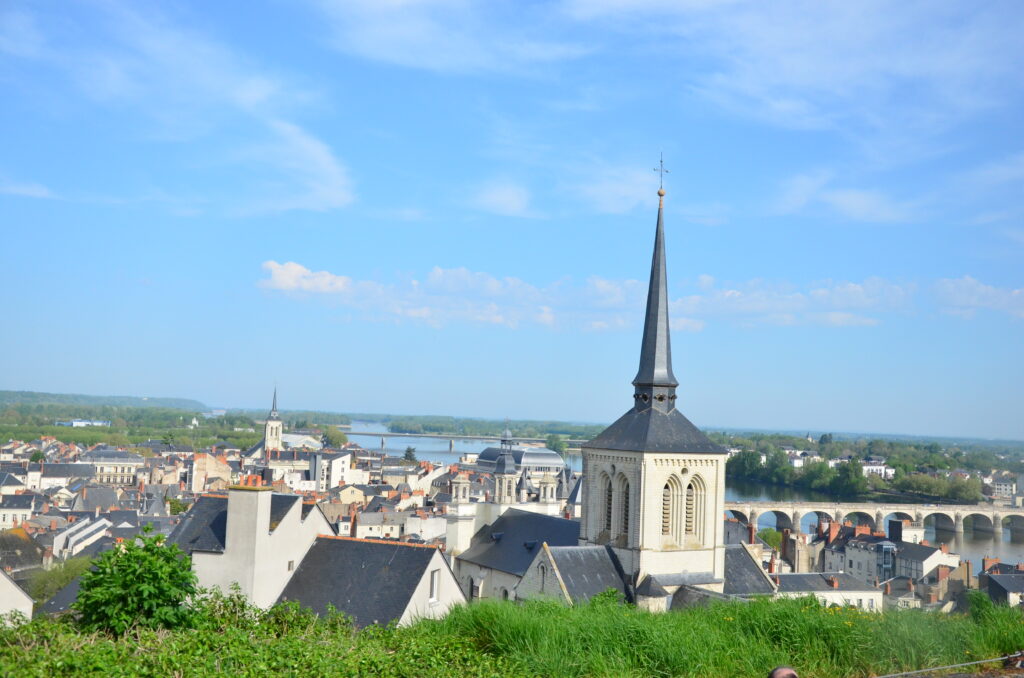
660, 169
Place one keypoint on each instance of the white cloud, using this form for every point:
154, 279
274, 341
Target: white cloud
292, 277
504, 198
963, 296
26, 190
461, 295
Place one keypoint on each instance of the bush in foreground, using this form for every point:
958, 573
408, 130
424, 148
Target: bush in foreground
141, 583
497, 638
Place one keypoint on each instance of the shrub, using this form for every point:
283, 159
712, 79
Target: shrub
142, 582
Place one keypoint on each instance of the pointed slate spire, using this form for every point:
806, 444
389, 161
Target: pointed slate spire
273, 408
655, 384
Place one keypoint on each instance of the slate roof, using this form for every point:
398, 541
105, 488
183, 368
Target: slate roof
511, 542
651, 430
589, 570
63, 599
819, 581
203, 527
8, 480
371, 581
911, 551
18, 551
743, 575
1011, 583
18, 501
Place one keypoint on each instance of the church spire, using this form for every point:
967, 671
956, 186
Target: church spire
273, 408
655, 384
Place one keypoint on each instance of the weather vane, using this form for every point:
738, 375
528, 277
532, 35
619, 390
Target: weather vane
660, 169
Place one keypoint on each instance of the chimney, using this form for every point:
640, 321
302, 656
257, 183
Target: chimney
942, 572
924, 542
248, 543
833, 582
97, 511
820, 529
888, 589
53, 525
860, 530
771, 563
833, 531
944, 548
910, 585
85, 491
987, 563
752, 533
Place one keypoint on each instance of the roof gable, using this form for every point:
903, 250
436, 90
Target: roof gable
371, 581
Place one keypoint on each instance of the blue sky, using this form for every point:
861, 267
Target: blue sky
447, 207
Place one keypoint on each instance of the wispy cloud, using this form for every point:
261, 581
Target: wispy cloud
964, 296
449, 36
815, 190
461, 295
1008, 170
505, 198
900, 72
190, 87
26, 190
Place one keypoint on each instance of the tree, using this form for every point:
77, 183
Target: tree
142, 582
43, 584
849, 480
825, 439
556, 443
410, 455
176, 506
771, 536
333, 437
37, 456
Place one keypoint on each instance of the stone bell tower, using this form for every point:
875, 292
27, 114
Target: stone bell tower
654, 485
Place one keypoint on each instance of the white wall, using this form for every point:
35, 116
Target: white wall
13, 598
421, 605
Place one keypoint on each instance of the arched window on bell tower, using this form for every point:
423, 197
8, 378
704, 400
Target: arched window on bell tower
608, 496
696, 494
622, 492
672, 511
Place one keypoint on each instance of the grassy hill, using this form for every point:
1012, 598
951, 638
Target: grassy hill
38, 398
497, 638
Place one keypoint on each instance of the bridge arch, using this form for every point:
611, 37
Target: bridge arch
776, 519
810, 519
737, 514
940, 520
860, 518
1013, 522
979, 522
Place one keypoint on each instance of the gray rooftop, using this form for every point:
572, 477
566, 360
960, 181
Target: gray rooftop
511, 542
371, 581
589, 570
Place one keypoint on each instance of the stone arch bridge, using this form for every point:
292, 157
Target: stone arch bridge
980, 517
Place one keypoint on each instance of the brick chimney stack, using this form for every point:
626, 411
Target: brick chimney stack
752, 533
833, 531
888, 589
987, 563
910, 585
833, 582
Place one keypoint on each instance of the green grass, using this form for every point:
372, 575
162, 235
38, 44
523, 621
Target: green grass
533, 639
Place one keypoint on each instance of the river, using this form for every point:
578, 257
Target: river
970, 545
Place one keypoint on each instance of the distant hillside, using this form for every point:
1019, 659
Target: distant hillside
36, 398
